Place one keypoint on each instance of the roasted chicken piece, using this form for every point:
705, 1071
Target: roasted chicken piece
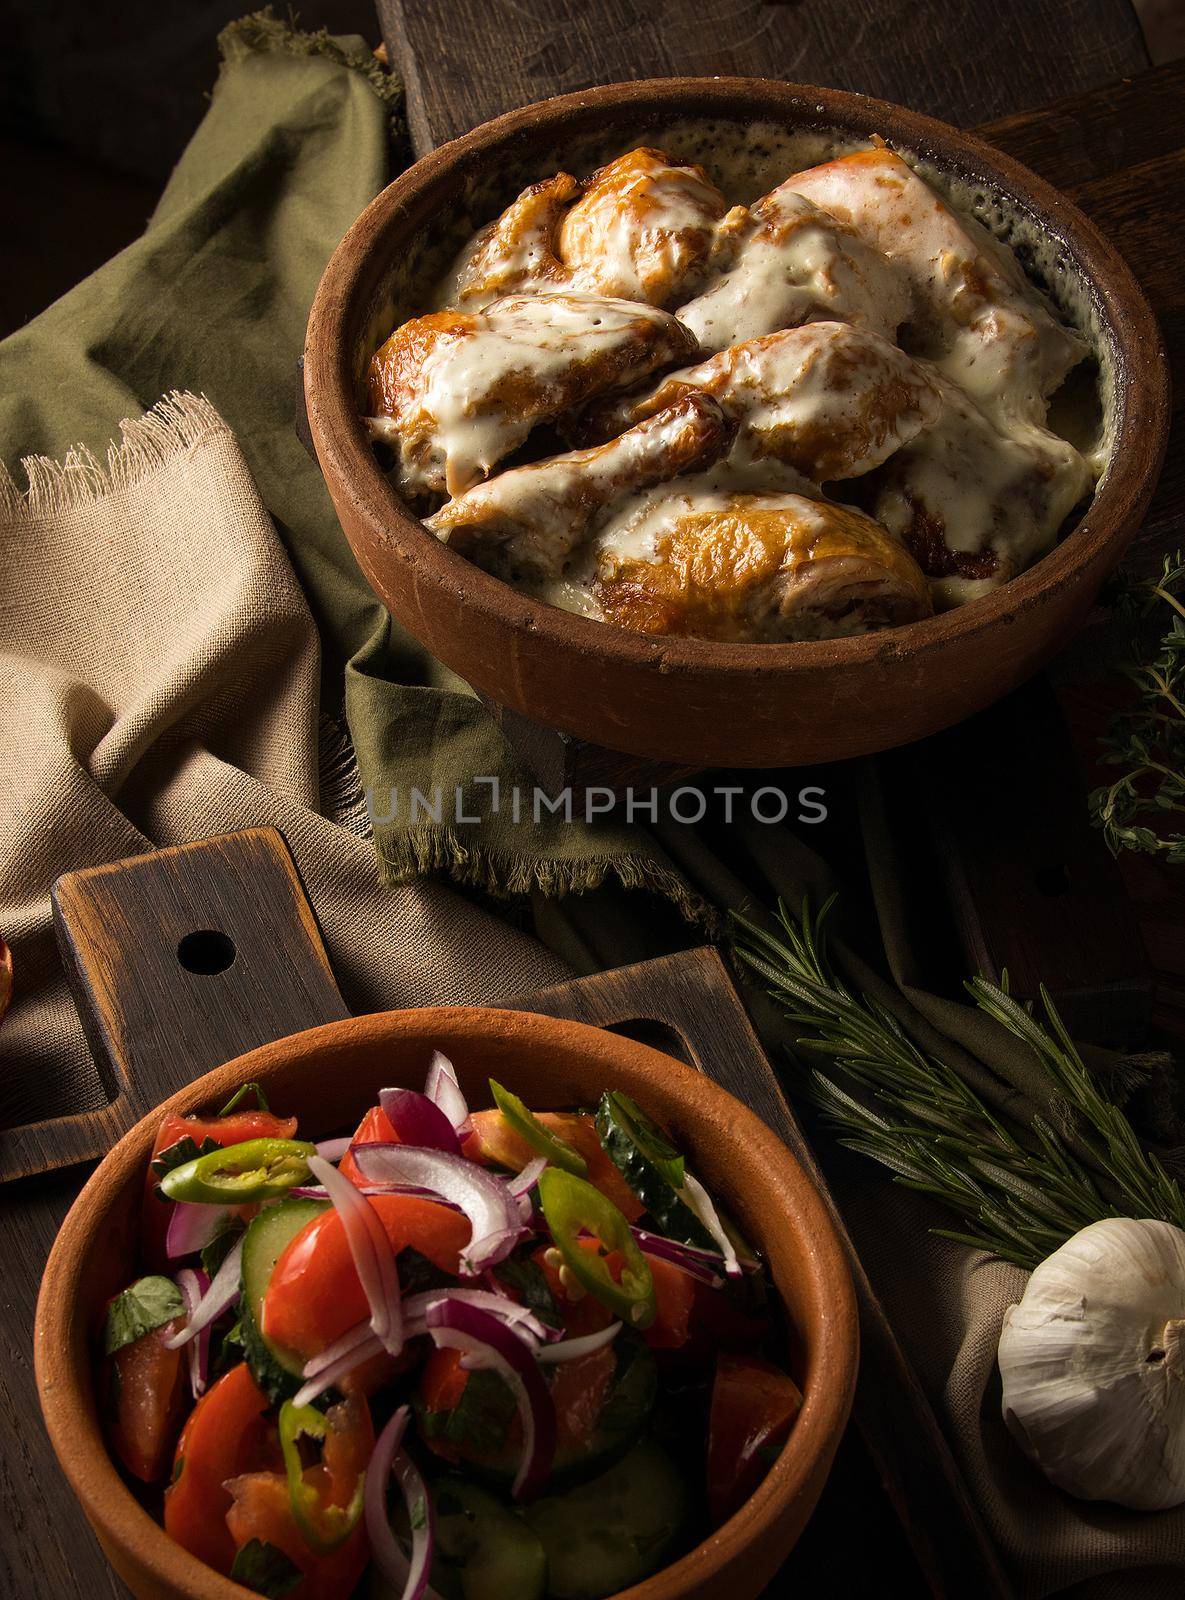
782, 262
754, 567
828, 399
642, 229
526, 522
516, 252
976, 505
454, 392
639, 228
980, 319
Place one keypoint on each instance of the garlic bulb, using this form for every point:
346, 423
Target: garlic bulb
1093, 1363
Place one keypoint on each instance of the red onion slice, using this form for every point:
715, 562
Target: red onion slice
373, 1253
193, 1283
223, 1292
193, 1227
333, 1149
573, 1349
518, 1317
442, 1089
408, 1576
703, 1265
522, 1185
418, 1120
484, 1198
490, 1345
700, 1202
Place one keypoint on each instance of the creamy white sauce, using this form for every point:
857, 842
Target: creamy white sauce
787, 262
535, 341
641, 235
833, 400
528, 520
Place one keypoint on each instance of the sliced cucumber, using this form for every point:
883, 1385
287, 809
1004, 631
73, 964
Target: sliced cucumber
483, 1550
651, 1165
615, 1530
275, 1371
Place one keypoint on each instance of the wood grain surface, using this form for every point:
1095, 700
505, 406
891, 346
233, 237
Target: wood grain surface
465, 61
180, 960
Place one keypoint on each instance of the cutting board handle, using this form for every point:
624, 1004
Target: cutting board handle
179, 960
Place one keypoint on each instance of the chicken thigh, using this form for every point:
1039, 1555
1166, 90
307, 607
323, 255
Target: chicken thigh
639, 228
642, 229
454, 392
515, 253
714, 564
782, 262
976, 505
982, 322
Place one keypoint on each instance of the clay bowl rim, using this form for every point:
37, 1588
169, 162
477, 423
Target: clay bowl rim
1125, 318
62, 1346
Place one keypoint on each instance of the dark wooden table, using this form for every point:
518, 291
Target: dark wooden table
1120, 151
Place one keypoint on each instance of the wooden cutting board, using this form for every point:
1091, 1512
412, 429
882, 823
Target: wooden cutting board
183, 958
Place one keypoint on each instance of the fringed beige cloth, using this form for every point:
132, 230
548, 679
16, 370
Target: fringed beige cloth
159, 682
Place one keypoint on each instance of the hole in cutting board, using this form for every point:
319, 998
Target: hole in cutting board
206, 952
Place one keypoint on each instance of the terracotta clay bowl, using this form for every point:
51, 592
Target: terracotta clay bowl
685, 700
327, 1076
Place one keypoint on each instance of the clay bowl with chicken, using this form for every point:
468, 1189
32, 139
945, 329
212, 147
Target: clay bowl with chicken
732, 422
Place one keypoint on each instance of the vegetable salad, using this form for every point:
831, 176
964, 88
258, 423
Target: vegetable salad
487, 1355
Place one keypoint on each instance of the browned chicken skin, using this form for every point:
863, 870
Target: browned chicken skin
642, 229
639, 228
516, 252
764, 567
454, 392
527, 520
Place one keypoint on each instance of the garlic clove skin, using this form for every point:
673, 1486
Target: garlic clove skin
1093, 1365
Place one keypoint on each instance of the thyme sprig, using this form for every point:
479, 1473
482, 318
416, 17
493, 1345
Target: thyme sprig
1148, 739
1019, 1193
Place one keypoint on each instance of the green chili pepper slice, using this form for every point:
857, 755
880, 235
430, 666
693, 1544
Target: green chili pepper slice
527, 1125
570, 1207
259, 1169
323, 1525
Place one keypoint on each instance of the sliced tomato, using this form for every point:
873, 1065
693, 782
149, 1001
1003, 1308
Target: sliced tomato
315, 1295
719, 1323
443, 1380
754, 1405
235, 1129
228, 1433
674, 1293
260, 1508
145, 1384
494, 1142
375, 1128
578, 1391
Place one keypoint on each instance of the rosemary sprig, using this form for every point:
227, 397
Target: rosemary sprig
1018, 1195
1148, 739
